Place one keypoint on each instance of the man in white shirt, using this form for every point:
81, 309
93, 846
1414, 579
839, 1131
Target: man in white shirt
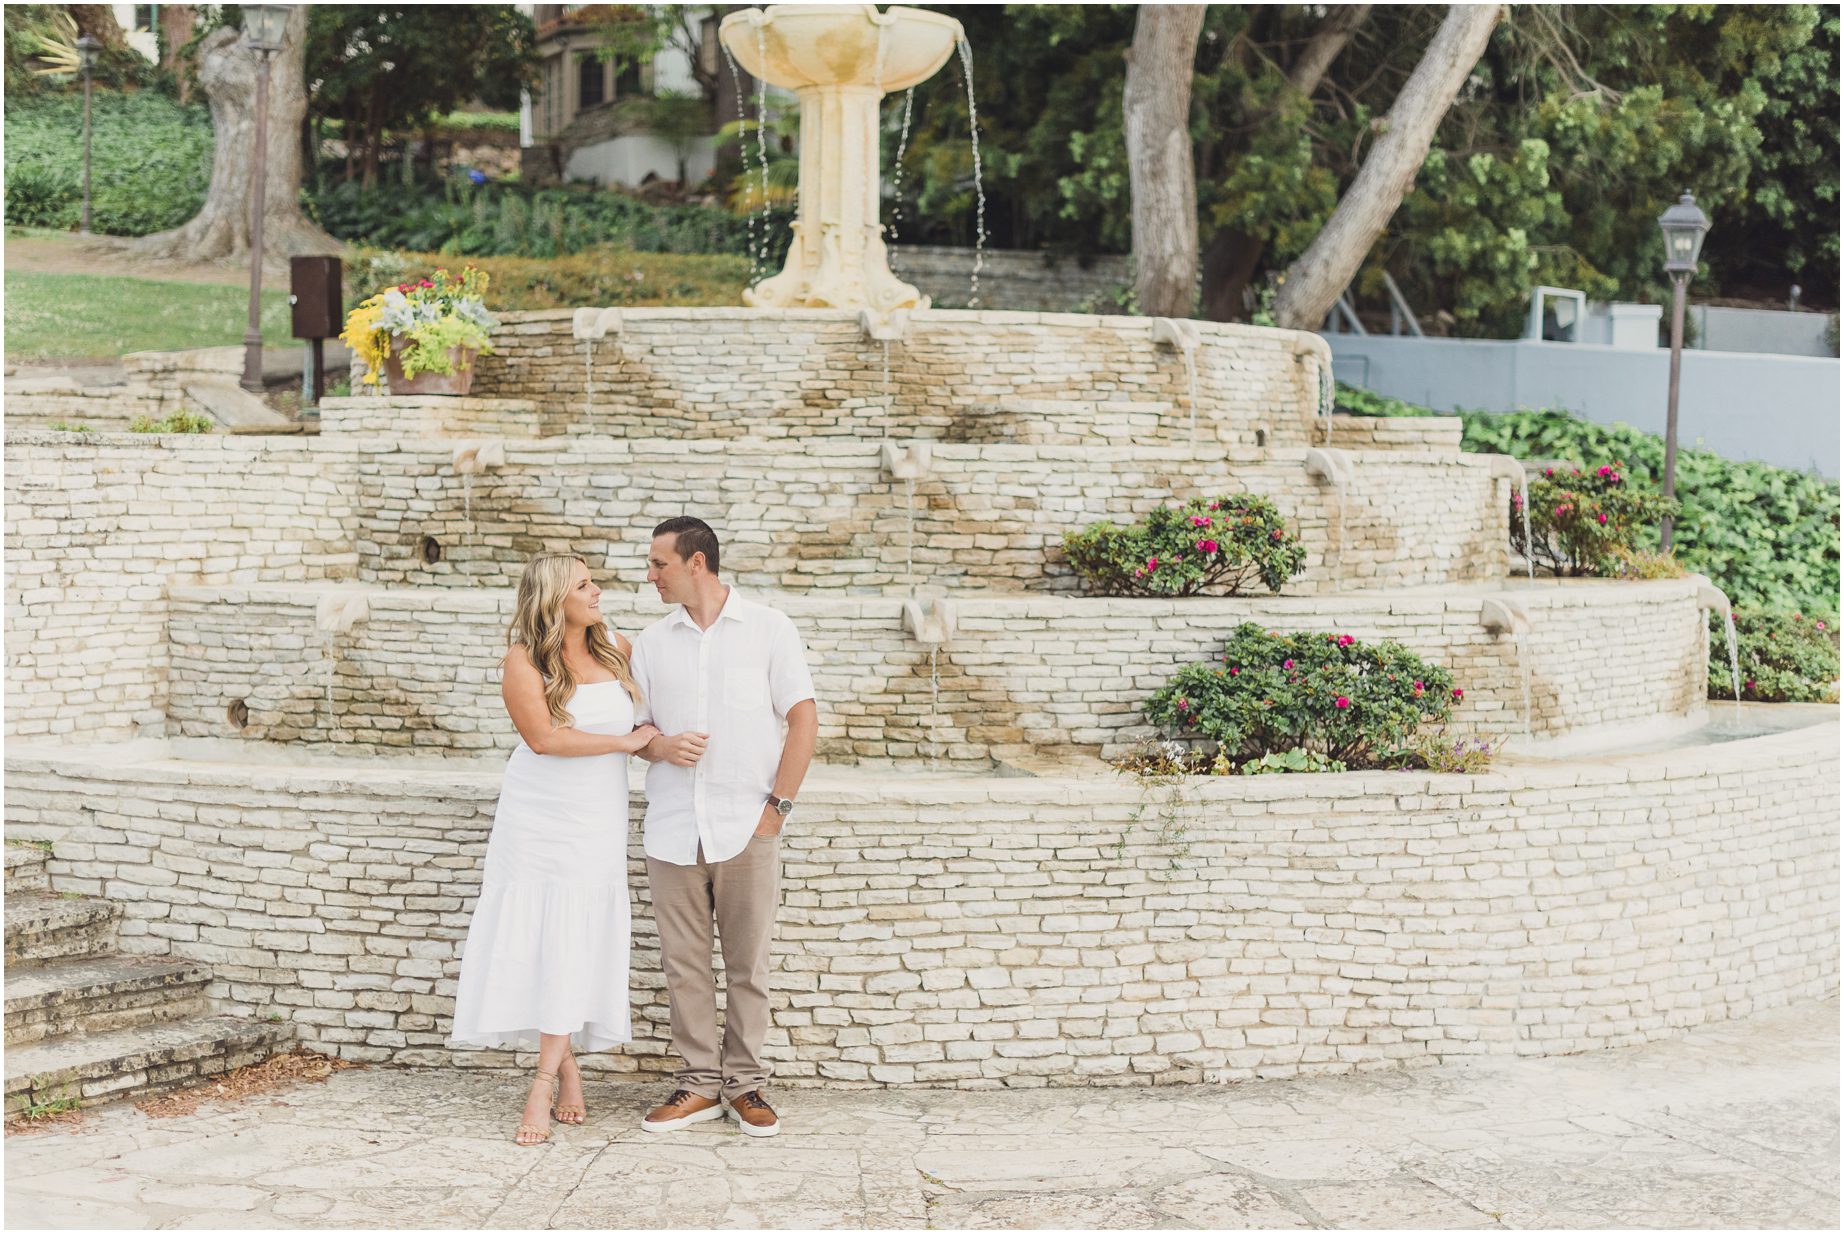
718, 678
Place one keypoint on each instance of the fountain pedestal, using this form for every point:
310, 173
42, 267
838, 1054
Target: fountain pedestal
840, 61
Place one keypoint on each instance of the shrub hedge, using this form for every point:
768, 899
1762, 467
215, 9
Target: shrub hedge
150, 161
1766, 535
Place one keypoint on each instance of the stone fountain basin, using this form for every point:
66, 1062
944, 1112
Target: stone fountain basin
797, 46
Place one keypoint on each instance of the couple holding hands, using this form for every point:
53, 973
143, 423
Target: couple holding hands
703, 695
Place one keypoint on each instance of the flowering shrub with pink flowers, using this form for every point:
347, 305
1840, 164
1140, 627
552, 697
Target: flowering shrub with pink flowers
1590, 520
1346, 703
1223, 544
1785, 657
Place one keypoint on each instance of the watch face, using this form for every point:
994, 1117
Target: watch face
784, 807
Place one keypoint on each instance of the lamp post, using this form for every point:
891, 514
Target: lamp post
1684, 226
87, 47
264, 27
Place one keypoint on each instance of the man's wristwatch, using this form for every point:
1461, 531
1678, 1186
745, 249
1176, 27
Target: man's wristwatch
784, 806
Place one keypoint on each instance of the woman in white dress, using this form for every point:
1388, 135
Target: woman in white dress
546, 960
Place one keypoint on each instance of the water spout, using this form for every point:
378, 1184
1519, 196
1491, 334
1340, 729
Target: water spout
475, 458
1501, 615
1710, 598
931, 622
906, 462
888, 327
1181, 336
1312, 347
589, 326
336, 614
1511, 469
1333, 467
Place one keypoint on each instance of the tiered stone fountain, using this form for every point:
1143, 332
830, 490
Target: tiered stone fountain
253, 694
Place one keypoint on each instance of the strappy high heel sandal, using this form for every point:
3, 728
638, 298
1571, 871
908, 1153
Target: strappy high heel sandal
542, 1134
570, 1115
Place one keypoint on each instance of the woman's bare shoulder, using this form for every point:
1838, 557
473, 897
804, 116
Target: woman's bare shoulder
622, 644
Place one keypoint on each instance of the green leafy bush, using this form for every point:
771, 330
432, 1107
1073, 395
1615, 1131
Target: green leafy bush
66, 426
458, 218
1586, 522
1784, 657
1220, 544
150, 161
1766, 535
599, 277
173, 422
1326, 694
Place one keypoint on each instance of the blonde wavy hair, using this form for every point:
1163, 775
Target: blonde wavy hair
537, 625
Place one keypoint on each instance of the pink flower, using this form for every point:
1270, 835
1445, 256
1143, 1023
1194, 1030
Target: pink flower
1206, 547
1287, 664
1184, 704
1235, 672
1152, 563
1419, 689
1604, 472
1749, 685
1215, 505
1275, 534
1517, 499
1458, 695
1345, 640
1198, 520
1603, 518
1821, 625
1561, 510
1341, 702
1549, 473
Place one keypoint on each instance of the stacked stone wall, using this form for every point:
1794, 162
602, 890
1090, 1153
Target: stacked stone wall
1010, 278
1023, 678
96, 529
1020, 932
720, 373
827, 517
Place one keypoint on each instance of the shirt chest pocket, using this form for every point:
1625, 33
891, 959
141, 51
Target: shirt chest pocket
746, 691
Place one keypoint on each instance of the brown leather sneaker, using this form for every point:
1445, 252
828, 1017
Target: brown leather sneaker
753, 1115
682, 1109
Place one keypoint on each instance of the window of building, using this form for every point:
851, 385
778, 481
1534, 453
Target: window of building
144, 16
591, 77
628, 83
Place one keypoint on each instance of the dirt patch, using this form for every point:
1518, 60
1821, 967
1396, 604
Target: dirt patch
281, 1071
108, 256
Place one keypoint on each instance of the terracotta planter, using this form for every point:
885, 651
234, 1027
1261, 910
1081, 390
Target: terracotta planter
458, 382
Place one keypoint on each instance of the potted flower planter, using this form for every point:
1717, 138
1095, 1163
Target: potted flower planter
460, 381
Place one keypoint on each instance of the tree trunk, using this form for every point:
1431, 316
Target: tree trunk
1323, 48
98, 21
1313, 283
221, 229
1232, 257
177, 22
1156, 111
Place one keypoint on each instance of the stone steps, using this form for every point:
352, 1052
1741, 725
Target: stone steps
25, 868
135, 1062
41, 928
101, 994
85, 1024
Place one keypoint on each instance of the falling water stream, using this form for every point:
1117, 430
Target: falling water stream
742, 148
1523, 509
934, 707
762, 136
1338, 535
588, 376
1190, 355
909, 487
467, 497
902, 144
979, 188
889, 394
1735, 665
331, 661
1523, 671
1328, 399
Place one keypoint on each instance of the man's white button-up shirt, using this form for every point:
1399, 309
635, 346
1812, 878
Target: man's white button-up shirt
736, 681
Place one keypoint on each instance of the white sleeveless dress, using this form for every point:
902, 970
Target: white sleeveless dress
547, 948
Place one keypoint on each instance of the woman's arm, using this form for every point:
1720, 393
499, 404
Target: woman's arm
522, 688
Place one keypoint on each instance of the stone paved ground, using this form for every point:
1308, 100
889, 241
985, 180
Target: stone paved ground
1730, 1126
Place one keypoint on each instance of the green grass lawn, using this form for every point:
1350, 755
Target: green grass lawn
58, 316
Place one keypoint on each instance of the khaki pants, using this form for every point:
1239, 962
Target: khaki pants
741, 895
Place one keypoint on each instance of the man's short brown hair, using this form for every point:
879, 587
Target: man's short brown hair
691, 535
